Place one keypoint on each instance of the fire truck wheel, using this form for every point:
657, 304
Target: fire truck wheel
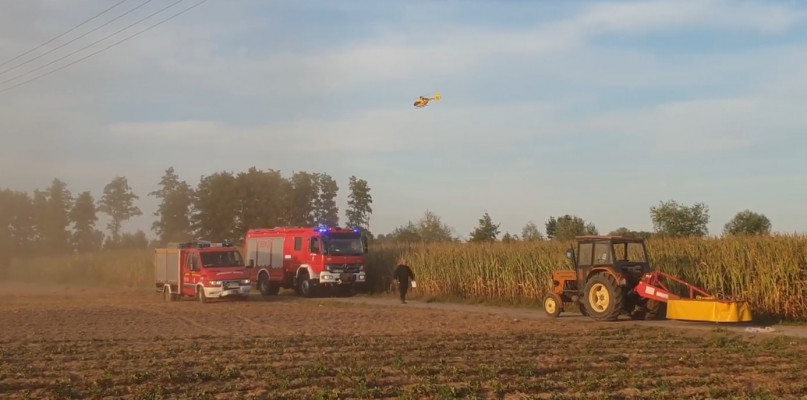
266, 287
200, 294
306, 289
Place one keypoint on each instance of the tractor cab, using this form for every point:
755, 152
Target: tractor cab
605, 270
624, 257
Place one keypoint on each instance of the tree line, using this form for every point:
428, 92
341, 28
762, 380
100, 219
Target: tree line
670, 219
223, 205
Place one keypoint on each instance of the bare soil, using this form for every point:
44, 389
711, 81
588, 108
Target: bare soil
91, 343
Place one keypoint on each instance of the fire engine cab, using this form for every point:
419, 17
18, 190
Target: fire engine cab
201, 270
305, 259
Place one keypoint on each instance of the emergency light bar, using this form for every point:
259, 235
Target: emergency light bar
200, 244
323, 229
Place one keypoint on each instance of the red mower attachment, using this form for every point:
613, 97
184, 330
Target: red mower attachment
699, 306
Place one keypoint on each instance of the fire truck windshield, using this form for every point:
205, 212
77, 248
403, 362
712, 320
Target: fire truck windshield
343, 246
219, 259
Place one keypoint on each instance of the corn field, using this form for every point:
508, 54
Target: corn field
768, 272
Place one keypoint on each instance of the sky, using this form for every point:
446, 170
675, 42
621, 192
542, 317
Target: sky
595, 109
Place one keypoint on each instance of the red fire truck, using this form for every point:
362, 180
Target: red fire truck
305, 259
202, 270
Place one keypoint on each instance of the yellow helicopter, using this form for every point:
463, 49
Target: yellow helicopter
424, 101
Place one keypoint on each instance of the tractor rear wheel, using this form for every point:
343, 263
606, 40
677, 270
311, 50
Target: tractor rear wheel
552, 305
603, 299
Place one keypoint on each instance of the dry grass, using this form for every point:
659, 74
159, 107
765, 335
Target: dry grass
769, 272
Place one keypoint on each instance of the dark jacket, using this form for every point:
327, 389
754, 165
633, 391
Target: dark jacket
403, 273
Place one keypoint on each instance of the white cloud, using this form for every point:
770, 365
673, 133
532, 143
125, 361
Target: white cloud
402, 56
644, 16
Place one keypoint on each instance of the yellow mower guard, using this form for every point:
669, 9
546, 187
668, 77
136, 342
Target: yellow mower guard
710, 310
700, 305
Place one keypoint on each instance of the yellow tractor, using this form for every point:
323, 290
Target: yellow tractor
612, 276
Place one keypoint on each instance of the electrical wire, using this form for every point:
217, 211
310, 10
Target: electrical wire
65, 33
93, 43
105, 48
74, 39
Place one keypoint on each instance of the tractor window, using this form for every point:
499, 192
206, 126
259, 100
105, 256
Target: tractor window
584, 256
602, 253
631, 252
620, 251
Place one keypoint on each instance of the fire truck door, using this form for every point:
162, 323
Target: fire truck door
314, 248
191, 273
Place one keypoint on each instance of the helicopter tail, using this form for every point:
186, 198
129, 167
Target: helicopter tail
438, 96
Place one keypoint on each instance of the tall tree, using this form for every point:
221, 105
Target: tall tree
748, 223
622, 231
431, 229
486, 231
135, 240
408, 233
83, 215
174, 210
508, 238
568, 226
530, 232
118, 203
677, 220
261, 199
17, 224
302, 200
216, 208
359, 203
54, 222
326, 210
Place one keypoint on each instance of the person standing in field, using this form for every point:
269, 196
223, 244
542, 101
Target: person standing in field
403, 274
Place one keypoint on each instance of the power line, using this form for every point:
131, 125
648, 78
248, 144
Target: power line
65, 33
93, 43
74, 39
105, 48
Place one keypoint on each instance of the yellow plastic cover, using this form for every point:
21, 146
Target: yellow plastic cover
708, 310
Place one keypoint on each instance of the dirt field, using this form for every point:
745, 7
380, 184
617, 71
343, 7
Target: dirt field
59, 342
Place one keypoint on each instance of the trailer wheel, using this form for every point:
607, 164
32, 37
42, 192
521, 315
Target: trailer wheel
200, 295
604, 299
552, 305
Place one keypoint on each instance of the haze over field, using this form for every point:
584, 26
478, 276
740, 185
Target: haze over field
596, 109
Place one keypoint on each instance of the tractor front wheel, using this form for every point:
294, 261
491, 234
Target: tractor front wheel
552, 305
604, 299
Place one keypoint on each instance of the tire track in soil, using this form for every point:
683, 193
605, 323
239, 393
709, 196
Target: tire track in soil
252, 322
538, 314
177, 315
